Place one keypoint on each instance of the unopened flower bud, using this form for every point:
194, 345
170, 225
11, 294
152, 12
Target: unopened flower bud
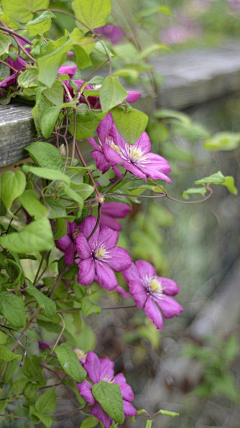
62, 150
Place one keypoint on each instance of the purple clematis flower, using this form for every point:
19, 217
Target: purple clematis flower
19, 65
44, 345
67, 242
148, 289
111, 211
113, 150
70, 70
110, 32
103, 369
99, 256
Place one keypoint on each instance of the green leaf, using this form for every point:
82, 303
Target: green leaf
70, 193
55, 93
26, 79
222, 141
168, 114
82, 58
193, 191
60, 228
89, 422
48, 119
217, 178
41, 24
6, 355
32, 370
15, 273
23, 12
130, 123
69, 362
36, 236
168, 413
31, 392
110, 397
46, 420
87, 123
48, 305
49, 64
32, 205
149, 423
151, 49
50, 326
84, 190
88, 307
5, 42
49, 174
165, 10
46, 403
56, 209
92, 13
45, 155
229, 183
112, 93
12, 186
12, 308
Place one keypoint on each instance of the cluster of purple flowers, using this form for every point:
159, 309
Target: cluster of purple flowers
103, 369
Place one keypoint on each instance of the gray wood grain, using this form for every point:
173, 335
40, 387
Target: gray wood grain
190, 78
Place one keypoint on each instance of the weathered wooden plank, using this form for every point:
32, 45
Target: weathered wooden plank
190, 78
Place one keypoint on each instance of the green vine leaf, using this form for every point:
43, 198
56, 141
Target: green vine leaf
32, 205
45, 155
48, 305
23, 11
36, 236
46, 403
6, 355
110, 397
5, 42
49, 174
130, 123
92, 13
69, 362
12, 308
41, 24
12, 186
112, 93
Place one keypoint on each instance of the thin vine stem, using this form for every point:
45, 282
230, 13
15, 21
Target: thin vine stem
10, 66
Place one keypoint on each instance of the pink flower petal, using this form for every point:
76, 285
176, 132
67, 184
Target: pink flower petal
70, 70
111, 222
145, 269
128, 409
83, 249
101, 161
104, 127
102, 416
153, 313
85, 390
138, 292
64, 242
169, 307
126, 390
106, 368
170, 286
116, 209
144, 143
94, 144
131, 274
93, 367
105, 276
86, 272
69, 254
133, 96
120, 259
108, 237
87, 227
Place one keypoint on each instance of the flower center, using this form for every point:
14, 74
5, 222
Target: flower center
101, 253
107, 378
80, 354
110, 142
155, 285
